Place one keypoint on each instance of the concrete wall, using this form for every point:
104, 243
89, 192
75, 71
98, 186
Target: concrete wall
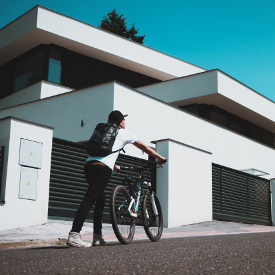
184, 184
65, 112
49, 89
34, 92
16, 211
43, 26
218, 88
154, 120
246, 97
112, 46
149, 119
18, 28
183, 88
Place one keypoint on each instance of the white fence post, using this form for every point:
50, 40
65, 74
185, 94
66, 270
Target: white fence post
184, 185
26, 173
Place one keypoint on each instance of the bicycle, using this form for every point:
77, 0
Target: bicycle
140, 205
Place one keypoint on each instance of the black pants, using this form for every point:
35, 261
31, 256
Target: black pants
97, 177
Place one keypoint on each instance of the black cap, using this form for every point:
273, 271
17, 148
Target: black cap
116, 117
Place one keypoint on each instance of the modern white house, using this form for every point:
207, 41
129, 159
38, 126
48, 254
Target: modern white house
59, 77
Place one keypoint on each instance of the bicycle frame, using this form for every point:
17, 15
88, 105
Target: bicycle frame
140, 206
137, 193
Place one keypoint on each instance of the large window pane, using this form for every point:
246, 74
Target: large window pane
28, 69
54, 74
54, 71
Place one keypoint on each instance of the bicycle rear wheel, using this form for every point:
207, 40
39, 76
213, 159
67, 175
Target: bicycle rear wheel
153, 224
123, 224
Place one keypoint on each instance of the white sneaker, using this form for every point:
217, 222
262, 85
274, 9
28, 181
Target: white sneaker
74, 239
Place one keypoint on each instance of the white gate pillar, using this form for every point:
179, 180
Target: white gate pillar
26, 173
184, 185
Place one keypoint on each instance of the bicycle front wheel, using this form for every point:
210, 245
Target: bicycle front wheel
123, 224
153, 222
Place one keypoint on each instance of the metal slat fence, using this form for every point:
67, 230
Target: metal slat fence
238, 196
67, 181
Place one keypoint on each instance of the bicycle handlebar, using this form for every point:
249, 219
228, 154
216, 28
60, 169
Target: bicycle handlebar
140, 168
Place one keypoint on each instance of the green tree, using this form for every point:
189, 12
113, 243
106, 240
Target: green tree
117, 24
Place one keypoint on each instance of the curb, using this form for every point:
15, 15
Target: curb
111, 238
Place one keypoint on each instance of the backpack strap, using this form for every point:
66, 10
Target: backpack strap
119, 150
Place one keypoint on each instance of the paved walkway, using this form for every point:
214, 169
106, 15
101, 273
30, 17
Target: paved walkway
56, 232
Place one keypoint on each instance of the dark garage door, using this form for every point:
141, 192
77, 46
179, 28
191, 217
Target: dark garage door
67, 182
238, 196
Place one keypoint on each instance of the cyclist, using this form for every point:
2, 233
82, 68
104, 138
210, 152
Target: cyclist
98, 171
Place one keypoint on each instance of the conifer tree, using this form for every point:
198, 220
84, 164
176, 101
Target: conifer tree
117, 24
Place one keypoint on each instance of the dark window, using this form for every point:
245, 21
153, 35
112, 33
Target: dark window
79, 71
232, 122
61, 66
234, 125
23, 71
28, 69
5, 80
218, 117
194, 109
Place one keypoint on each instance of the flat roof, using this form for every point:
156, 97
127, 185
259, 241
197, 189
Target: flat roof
217, 88
41, 25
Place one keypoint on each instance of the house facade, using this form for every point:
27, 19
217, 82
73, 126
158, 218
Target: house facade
60, 77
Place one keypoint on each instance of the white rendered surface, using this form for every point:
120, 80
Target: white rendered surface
184, 184
40, 90
16, 211
43, 26
149, 119
217, 88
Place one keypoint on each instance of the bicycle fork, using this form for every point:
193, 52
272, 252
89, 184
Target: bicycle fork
132, 214
153, 202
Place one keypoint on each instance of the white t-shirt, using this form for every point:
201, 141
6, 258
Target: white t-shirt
123, 138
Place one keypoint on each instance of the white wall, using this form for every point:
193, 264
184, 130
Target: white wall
18, 28
183, 88
215, 87
245, 96
18, 212
34, 92
65, 112
43, 26
49, 89
184, 184
149, 119
28, 94
112, 48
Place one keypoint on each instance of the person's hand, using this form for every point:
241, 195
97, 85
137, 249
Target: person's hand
161, 161
117, 168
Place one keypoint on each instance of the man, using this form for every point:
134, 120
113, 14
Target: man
98, 171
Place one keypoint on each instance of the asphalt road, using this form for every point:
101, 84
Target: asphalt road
227, 254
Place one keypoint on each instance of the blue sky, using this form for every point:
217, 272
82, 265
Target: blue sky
236, 36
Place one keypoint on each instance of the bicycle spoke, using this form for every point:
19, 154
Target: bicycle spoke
153, 223
122, 216
123, 225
